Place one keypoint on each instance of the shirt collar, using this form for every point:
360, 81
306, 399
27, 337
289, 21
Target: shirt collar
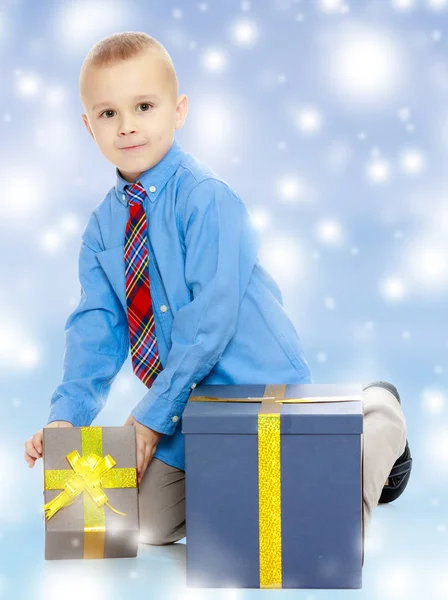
153, 179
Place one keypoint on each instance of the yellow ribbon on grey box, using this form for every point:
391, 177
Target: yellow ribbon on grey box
89, 475
269, 482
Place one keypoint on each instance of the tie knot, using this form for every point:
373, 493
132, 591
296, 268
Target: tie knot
136, 193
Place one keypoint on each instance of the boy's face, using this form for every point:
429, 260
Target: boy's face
125, 120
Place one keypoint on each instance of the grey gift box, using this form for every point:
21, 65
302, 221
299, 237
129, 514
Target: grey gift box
72, 532
321, 472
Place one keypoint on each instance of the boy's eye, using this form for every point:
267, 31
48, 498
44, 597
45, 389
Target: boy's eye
141, 104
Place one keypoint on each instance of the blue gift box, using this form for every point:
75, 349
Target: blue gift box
274, 488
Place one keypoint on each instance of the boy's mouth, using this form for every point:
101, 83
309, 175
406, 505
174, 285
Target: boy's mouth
130, 148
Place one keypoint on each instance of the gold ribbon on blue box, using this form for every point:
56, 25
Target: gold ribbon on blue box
269, 473
90, 474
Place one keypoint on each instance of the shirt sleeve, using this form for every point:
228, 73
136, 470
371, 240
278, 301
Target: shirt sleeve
96, 343
221, 248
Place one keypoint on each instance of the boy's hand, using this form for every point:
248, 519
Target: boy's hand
33, 446
147, 440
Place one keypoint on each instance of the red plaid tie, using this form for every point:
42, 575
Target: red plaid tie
142, 335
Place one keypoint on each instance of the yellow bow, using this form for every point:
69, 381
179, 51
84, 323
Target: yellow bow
87, 475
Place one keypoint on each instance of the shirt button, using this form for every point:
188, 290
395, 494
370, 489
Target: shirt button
123, 196
175, 419
193, 386
152, 189
163, 308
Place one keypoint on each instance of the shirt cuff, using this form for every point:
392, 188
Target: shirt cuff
159, 414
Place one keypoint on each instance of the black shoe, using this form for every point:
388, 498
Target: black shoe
401, 471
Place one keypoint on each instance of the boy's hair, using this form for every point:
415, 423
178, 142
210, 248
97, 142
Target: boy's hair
122, 46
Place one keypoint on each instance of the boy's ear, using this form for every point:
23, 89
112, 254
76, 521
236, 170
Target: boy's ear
86, 123
181, 111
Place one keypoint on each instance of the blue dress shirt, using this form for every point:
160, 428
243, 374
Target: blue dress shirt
219, 316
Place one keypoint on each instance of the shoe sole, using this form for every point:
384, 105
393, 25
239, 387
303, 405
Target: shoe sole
393, 489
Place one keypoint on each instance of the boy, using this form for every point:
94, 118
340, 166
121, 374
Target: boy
168, 268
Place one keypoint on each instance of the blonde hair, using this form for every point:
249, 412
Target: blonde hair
122, 46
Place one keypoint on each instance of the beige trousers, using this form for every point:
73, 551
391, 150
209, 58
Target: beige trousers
162, 489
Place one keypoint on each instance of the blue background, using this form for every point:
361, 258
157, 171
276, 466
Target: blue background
330, 119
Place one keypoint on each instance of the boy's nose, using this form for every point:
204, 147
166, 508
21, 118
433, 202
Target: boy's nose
127, 126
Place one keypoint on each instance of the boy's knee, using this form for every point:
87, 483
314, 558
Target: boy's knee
162, 504
154, 540
159, 537
158, 531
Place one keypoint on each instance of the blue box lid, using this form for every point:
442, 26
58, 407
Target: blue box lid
242, 417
